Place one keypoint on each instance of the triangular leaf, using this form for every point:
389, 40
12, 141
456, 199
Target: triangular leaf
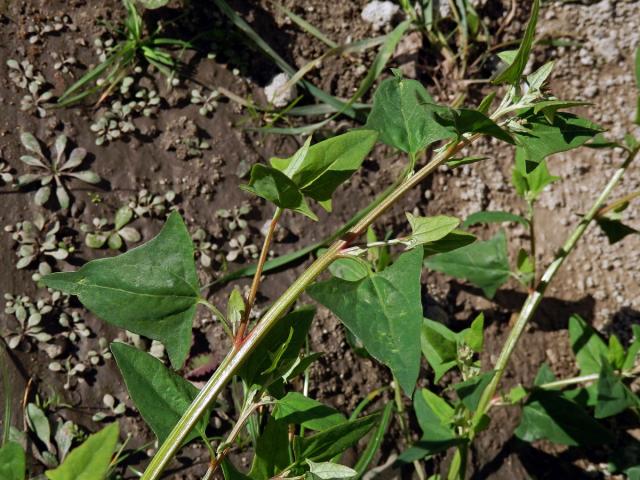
151, 290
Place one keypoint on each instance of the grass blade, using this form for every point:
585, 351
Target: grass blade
306, 26
373, 445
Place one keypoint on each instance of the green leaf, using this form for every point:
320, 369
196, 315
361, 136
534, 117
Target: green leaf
472, 121
487, 216
271, 451
613, 396
485, 263
374, 443
300, 410
471, 390
514, 71
384, 311
458, 162
329, 471
39, 423
525, 266
350, 269
329, 163
91, 460
537, 79
274, 186
429, 229
151, 4
453, 241
325, 445
439, 406
634, 349
588, 347
549, 415
439, 346
13, 463
474, 336
151, 290
298, 322
531, 184
539, 137
235, 307
230, 472
544, 375
616, 352
160, 395
404, 114
436, 436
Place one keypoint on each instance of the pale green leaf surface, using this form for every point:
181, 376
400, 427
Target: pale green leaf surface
12, 462
91, 460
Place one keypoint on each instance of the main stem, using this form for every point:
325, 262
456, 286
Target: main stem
535, 297
237, 356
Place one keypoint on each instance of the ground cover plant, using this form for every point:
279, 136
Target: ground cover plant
246, 402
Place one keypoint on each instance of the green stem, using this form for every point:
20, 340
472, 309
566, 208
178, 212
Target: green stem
216, 311
402, 422
532, 242
236, 357
6, 388
569, 381
535, 297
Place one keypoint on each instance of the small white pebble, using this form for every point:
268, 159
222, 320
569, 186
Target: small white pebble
379, 14
276, 95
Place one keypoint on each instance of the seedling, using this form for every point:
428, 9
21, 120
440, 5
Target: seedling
39, 238
118, 59
29, 317
147, 204
115, 236
23, 74
208, 102
55, 169
37, 100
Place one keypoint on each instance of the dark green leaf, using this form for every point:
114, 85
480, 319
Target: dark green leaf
151, 4
458, 162
230, 472
493, 217
325, 445
544, 375
91, 460
485, 263
453, 241
430, 229
439, 406
613, 395
514, 71
436, 437
261, 359
160, 395
272, 451
403, 114
384, 311
549, 415
151, 290
485, 104
439, 346
300, 410
471, 390
616, 353
472, 121
373, 445
541, 138
589, 348
12, 461
273, 185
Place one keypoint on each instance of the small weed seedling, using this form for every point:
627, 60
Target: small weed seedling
53, 170
119, 58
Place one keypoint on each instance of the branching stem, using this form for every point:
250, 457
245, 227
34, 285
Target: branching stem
257, 276
535, 297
